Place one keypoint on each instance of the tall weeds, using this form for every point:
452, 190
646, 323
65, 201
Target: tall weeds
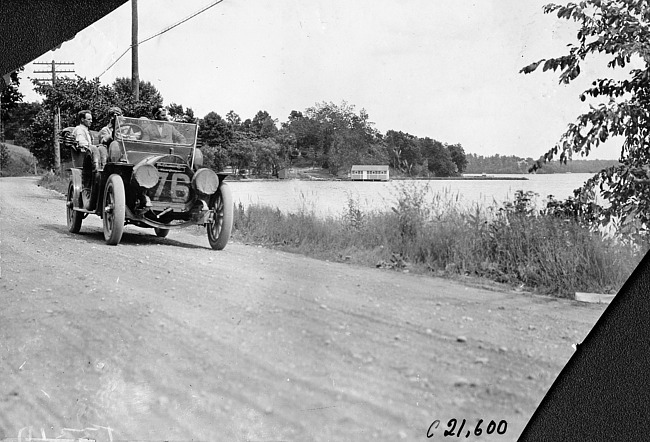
512, 242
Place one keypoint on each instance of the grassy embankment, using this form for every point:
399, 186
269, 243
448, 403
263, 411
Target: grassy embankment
15, 160
510, 243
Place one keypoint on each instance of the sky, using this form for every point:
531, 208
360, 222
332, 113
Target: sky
444, 69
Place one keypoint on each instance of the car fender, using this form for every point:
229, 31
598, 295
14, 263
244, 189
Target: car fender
75, 179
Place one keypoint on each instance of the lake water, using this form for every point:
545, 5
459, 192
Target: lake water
329, 198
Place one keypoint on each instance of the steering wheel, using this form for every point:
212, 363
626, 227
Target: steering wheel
128, 131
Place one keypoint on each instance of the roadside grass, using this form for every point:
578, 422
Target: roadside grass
511, 242
50, 180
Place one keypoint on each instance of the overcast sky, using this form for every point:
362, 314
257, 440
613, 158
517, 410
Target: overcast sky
446, 69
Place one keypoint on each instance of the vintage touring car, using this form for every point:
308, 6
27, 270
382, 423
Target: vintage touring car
158, 182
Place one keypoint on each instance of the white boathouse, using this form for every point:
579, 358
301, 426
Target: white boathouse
369, 173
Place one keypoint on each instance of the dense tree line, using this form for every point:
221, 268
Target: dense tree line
495, 164
326, 135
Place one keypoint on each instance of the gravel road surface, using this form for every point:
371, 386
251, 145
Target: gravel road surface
165, 339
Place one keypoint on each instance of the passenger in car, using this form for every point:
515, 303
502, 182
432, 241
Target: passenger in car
106, 136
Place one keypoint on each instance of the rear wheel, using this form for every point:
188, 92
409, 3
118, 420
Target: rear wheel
74, 218
219, 230
114, 210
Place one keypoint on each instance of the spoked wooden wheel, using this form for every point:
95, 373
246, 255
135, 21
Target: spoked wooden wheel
219, 230
114, 210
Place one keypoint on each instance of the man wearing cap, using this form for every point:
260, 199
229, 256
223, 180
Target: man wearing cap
106, 135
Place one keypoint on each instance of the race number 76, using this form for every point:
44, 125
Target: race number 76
179, 186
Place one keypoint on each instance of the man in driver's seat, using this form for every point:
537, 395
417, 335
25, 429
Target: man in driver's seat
158, 130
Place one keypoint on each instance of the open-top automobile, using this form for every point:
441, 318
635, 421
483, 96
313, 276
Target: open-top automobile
158, 182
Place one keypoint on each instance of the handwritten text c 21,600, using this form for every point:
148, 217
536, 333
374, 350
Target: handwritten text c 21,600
479, 428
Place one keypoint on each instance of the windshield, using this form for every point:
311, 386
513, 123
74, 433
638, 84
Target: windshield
153, 131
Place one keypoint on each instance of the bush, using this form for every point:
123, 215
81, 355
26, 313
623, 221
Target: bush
4, 157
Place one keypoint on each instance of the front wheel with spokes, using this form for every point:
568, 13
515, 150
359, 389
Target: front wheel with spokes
114, 210
221, 226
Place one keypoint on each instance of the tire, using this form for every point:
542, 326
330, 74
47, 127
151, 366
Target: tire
219, 230
74, 218
114, 210
161, 233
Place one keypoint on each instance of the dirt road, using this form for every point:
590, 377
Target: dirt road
166, 339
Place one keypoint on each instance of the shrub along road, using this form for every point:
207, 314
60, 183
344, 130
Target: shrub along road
166, 339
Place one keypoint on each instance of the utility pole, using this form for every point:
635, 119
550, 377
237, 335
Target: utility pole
57, 112
135, 75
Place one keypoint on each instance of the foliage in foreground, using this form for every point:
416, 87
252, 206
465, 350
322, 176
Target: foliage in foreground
514, 243
619, 31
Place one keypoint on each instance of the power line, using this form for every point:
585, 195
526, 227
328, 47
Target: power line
169, 28
53, 70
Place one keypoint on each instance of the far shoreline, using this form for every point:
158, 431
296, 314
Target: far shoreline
483, 177
400, 178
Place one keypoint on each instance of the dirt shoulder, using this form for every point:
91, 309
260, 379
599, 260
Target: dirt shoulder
166, 339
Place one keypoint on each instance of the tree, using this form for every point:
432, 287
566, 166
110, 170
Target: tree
619, 30
243, 151
10, 96
181, 115
263, 125
288, 146
234, 121
215, 131
342, 134
18, 117
404, 150
306, 131
70, 95
458, 156
215, 157
439, 159
267, 156
42, 140
149, 98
